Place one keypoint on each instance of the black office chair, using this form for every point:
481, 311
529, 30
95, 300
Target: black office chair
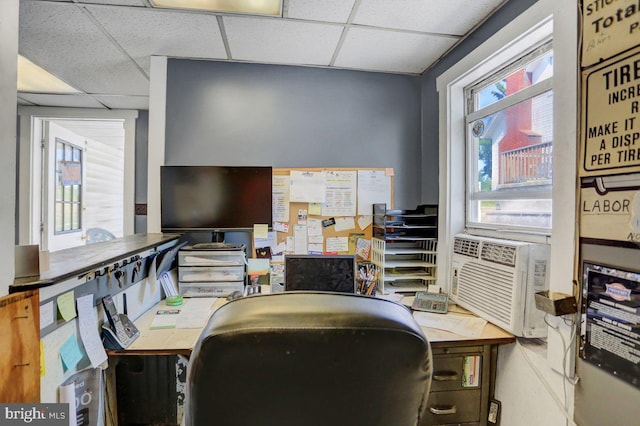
303, 358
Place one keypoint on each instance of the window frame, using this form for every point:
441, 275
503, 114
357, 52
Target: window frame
58, 182
472, 113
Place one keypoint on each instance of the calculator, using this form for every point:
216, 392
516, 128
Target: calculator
430, 302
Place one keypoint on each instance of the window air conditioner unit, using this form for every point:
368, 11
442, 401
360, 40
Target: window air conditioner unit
497, 279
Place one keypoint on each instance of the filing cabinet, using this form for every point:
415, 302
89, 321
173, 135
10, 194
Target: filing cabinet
211, 271
461, 385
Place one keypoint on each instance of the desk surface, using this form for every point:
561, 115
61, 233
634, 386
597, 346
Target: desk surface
167, 340
491, 334
182, 340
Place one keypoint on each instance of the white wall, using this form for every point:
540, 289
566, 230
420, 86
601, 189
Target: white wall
8, 94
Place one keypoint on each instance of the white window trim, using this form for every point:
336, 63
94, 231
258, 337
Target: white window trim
504, 47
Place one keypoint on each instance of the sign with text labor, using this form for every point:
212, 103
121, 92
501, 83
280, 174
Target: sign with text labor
611, 117
609, 27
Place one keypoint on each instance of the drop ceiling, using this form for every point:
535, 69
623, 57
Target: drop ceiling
103, 47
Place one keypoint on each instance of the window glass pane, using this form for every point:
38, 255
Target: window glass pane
58, 221
59, 152
76, 154
75, 216
529, 213
67, 217
59, 189
67, 193
517, 79
75, 193
513, 148
68, 152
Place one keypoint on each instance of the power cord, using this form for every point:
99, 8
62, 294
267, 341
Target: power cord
560, 404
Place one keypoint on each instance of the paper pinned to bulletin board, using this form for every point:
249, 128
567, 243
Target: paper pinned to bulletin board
327, 210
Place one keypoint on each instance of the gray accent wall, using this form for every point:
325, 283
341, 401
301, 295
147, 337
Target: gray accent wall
240, 114
430, 110
142, 150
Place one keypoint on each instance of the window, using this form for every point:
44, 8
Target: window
68, 187
509, 145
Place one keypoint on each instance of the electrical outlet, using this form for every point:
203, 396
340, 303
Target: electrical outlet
494, 412
141, 209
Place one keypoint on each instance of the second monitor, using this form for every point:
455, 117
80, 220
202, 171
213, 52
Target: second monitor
335, 273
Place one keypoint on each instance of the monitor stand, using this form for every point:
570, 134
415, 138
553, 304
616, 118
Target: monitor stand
217, 237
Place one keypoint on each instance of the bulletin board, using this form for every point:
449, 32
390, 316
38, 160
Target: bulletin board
343, 188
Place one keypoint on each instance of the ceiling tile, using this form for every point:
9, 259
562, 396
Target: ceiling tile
454, 17
63, 40
391, 51
328, 10
143, 32
73, 101
124, 102
281, 41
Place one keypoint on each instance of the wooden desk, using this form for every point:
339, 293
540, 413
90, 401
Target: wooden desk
167, 341
162, 354
451, 399
145, 382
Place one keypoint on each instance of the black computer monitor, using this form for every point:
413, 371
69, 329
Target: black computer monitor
335, 273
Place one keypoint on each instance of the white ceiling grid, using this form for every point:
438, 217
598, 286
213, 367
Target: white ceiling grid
102, 47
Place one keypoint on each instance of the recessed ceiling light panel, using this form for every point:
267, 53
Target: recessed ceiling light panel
252, 7
34, 79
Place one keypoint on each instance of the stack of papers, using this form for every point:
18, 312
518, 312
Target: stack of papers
463, 325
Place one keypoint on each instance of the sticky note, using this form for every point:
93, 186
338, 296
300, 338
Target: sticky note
260, 230
67, 305
70, 353
315, 208
47, 316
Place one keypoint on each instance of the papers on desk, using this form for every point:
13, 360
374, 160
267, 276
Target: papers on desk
165, 318
87, 320
193, 314
463, 325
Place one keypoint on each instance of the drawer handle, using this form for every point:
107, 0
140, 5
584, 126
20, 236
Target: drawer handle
445, 376
440, 410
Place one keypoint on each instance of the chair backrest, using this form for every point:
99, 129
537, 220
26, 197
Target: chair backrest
305, 358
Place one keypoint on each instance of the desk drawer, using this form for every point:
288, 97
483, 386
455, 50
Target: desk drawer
210, 273
453, 407
210, 258
217, 289
456, 373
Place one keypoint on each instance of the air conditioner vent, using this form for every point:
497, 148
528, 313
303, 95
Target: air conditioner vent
489, 290
498, 253
466, 247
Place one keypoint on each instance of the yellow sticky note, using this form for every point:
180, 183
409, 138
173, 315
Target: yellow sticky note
260, 230
315, 209
43, 368
67, 305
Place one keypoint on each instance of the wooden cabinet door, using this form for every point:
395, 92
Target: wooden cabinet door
20, 347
